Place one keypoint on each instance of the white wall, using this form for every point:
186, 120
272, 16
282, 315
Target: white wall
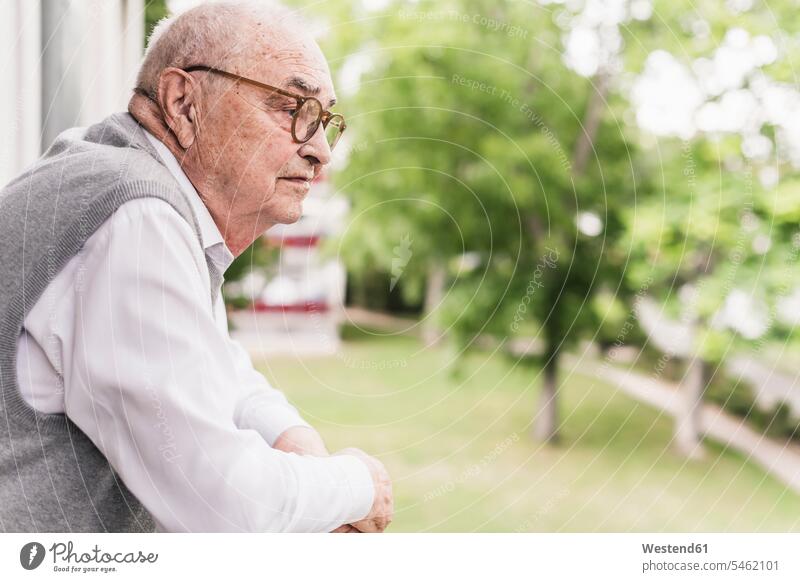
20, 77
67, 62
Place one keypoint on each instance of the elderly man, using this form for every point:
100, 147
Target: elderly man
126, 405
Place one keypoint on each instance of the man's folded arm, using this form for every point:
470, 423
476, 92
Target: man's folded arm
260, 406
150, 384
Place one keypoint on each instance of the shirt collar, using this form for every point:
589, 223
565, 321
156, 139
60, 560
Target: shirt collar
213, 242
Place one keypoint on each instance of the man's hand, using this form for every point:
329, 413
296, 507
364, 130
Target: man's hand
307, 441
380, 516
301, 440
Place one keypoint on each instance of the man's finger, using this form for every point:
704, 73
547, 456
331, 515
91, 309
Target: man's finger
375, 525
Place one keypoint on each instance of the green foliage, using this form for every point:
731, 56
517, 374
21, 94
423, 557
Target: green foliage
462, 138
708, 221
154, 10
256, 255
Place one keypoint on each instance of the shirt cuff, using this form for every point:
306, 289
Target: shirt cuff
271, 420
335, 490
361, 484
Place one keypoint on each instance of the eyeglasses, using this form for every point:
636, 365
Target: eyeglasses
307, 117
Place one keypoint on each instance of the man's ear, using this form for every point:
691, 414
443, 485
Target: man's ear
177, 96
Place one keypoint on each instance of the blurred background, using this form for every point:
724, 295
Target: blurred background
551, 278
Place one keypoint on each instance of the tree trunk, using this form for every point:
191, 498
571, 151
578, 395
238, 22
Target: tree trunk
688, 420
546, 419
434, 293
591, 123
545, 427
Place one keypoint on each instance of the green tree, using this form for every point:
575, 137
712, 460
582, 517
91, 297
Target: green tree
470, 137
717, 226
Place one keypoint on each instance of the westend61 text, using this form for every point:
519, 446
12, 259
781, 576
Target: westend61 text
670, 549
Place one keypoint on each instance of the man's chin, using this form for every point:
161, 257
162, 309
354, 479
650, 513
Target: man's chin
293, 206
289, 215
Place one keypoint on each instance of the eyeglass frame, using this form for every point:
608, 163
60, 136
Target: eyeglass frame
324, 116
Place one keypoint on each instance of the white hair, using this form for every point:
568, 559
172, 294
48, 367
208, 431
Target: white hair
215, 33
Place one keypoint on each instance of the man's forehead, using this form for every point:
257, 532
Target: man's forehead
299, 67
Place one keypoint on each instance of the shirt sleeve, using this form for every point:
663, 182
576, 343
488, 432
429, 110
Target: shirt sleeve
260, 407
149, 382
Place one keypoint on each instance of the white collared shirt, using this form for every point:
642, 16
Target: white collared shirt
125, 341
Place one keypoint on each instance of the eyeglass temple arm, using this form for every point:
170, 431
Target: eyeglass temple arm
206, 68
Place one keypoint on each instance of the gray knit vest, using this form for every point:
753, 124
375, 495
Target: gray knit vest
52, 476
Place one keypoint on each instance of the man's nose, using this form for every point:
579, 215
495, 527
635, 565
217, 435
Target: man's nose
316, 150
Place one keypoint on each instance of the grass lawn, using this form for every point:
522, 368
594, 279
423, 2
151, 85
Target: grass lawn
459, 450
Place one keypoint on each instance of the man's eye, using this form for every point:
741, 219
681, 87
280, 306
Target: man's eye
291, 112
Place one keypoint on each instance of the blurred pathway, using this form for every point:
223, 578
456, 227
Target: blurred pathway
770, 385
782, 460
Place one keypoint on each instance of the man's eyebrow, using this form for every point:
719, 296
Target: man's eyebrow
304, 86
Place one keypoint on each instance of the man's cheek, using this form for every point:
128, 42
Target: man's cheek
274, 149
268, 192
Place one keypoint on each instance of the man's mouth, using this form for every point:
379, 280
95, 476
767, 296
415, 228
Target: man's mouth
300, 181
